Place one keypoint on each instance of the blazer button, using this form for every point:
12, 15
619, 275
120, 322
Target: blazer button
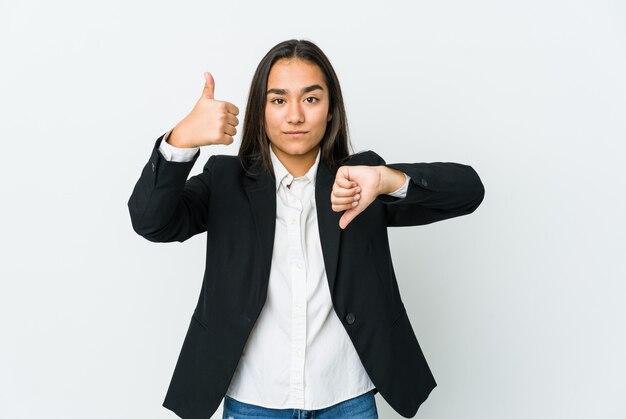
424, 183
350, 318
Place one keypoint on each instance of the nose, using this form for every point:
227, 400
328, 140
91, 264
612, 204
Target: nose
295, 114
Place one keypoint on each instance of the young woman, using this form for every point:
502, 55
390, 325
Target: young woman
299, 314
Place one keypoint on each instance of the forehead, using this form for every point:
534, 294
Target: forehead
294, 73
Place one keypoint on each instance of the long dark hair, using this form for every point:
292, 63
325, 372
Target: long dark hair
335, 146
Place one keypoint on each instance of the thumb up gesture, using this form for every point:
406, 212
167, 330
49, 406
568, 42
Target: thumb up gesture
209, 122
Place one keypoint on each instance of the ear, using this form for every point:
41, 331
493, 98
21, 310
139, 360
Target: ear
330, 116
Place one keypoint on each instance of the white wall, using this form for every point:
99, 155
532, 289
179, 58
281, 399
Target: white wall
519, 307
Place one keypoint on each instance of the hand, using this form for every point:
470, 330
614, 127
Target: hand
356, 187
209, 122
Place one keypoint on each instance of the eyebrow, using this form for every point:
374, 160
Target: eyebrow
304, 90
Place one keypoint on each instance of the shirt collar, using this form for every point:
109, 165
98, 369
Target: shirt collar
282, 174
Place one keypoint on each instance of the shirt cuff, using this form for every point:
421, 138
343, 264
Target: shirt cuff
176, 154
401, 191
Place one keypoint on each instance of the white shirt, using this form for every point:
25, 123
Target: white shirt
298, 354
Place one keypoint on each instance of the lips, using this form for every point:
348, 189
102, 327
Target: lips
295, 134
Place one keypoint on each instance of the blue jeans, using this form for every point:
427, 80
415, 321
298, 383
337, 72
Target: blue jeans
360, 407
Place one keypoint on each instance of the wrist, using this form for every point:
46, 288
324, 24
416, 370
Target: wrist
175, 139
390, 180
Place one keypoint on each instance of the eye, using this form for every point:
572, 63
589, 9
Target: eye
278, 99
312, 101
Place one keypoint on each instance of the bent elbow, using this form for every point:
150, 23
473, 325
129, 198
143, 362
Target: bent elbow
477, 193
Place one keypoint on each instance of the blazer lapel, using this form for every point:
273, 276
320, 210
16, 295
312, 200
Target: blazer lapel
261, 190
328, 221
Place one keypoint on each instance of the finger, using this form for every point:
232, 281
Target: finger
226, 139
347, 217
232, 120
345, 207
346, 200
344, 182
209, 86
341, 192
230, 130
232, 108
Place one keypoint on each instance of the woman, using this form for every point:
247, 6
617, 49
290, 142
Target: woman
299, 313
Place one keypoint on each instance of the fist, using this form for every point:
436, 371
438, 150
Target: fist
209, 122
355, 188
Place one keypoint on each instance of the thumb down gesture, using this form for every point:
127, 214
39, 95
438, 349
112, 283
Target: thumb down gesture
356, 187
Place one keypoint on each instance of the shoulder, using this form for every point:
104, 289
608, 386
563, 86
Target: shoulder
226, 159
224, 163
367, 157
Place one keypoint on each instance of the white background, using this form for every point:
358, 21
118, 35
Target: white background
520, 308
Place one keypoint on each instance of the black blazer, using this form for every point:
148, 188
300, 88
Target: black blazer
237, 211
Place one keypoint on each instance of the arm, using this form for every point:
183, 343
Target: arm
164, 206
434, 192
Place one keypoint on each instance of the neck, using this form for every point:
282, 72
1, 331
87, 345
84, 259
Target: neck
297, 165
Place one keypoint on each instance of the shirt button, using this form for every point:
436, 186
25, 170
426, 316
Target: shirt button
292, 221
299, 265
299, 352
298, 307
350, 318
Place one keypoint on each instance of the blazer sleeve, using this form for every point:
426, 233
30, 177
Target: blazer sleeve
436, 191
165, 206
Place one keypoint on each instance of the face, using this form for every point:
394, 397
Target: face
296, 109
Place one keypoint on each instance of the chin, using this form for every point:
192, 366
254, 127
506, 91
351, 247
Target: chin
299, 150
